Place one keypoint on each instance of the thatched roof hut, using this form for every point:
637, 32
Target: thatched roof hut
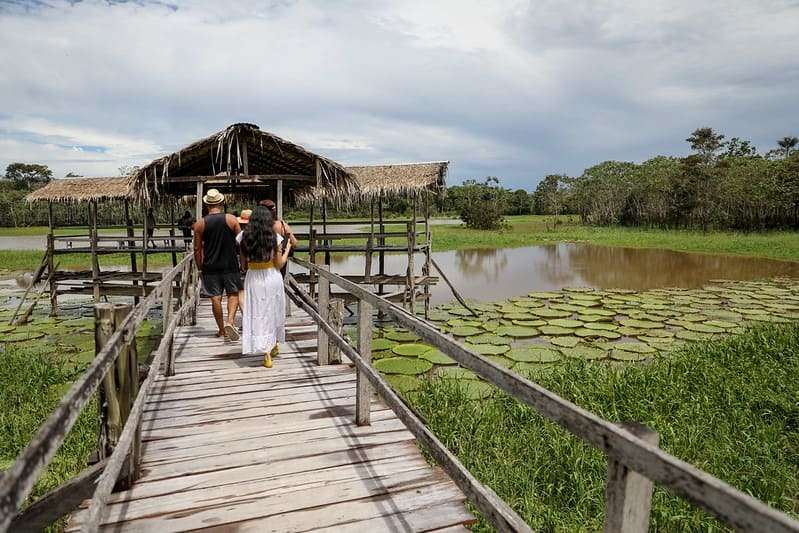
223, 159
69, 190
404, 179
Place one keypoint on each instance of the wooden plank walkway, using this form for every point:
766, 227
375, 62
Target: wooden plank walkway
230, 445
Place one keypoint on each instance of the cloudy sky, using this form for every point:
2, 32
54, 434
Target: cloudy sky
516, 89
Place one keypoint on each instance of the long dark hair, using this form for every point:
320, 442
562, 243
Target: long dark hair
258, 242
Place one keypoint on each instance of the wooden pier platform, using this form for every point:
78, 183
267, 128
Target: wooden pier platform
232, 446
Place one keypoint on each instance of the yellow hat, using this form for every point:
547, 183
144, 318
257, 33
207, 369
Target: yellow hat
245, 216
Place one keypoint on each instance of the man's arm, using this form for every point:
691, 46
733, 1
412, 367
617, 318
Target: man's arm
199, 226
233, 224
290, 234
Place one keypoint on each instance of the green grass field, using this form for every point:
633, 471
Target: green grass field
728, 407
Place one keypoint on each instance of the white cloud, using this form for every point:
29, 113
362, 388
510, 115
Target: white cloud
517, 89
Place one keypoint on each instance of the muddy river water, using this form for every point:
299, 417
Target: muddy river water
495, 274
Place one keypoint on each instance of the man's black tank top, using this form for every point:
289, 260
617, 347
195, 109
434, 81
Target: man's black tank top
219, 246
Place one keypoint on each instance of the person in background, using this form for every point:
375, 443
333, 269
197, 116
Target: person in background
215, 254
244, 219
280, 227
263, 322
151, 222
185, 223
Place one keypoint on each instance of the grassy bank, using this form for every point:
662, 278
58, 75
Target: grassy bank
15, 260
530, 230
728, 407
32, 381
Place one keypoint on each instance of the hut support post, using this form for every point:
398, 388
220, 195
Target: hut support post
324, 231
370, 244
381, 243
50, 260
144, 252
198, 207
323, 304
172, 233
428, 245
95, 258
280, 199
131, 245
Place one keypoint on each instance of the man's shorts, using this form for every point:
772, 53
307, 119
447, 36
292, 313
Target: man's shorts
216, 283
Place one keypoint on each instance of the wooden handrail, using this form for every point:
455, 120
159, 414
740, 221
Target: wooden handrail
17, 482
108, 479
484, 498
727, 503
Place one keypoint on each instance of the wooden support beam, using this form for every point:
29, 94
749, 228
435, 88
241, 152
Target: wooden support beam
93, 245
198, 204
279, 199
628, 494
336, 320
323, 304
50, 248
129, 230
210, 181
110, 411
363, 391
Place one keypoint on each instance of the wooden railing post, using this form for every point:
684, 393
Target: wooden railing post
336, 321
628, 494
166, 307
110, 412
323, 304
363, 390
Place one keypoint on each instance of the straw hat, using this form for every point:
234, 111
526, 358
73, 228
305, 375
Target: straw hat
245, 216
213, 197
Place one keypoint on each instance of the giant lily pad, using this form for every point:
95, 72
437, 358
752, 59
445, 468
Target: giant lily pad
459, 322
566, 342
411, 350
489, 339
545, 312
455, 372
623, 355
488, 349
501, 361
401, 336
518, 316
583, 351
382, 344
597, 333
597, 311
635, 347
566, 307
437, 357
565, 323
403, 365
603, 326
533, 354
556, 330
403, 383
529, 323
517, 331
544, 295
467, 331
640, 324
701, 328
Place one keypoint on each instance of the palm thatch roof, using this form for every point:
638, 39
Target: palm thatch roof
68, 190
405, 179
242, 150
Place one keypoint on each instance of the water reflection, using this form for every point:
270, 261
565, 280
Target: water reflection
492, 274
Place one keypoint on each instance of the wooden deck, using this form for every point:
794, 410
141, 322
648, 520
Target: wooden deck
230, 445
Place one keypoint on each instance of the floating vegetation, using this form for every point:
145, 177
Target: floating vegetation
530, 334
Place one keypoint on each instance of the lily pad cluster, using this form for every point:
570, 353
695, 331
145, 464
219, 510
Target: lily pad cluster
532, 333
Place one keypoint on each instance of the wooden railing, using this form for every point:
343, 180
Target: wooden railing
634, 459
115, 367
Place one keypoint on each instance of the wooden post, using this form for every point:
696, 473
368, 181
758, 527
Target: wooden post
51, 261
280, 199
312, 258
166, 306
110, 414
381, 243
325, 242
198, 208
131, 246
144, 252
428, 249
323, 303
628, 494
127, 382
95, 258
172, 232
336, 321
363, 391
370, 243
411, 281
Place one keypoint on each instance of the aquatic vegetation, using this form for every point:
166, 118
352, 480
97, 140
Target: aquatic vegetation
403, 365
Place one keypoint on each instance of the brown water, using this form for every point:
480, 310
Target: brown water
501, 273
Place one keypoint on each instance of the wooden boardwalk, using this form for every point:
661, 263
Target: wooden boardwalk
230, 445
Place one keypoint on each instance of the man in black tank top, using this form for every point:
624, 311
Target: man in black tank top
215, 251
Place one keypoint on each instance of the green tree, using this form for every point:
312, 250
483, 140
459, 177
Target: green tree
28, 176
548, 197
519, 203
706, 142
481, 203
787, 144
736, 147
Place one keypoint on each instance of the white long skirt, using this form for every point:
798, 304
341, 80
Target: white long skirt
264, 319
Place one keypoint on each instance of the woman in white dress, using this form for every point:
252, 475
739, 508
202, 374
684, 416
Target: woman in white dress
263, 322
